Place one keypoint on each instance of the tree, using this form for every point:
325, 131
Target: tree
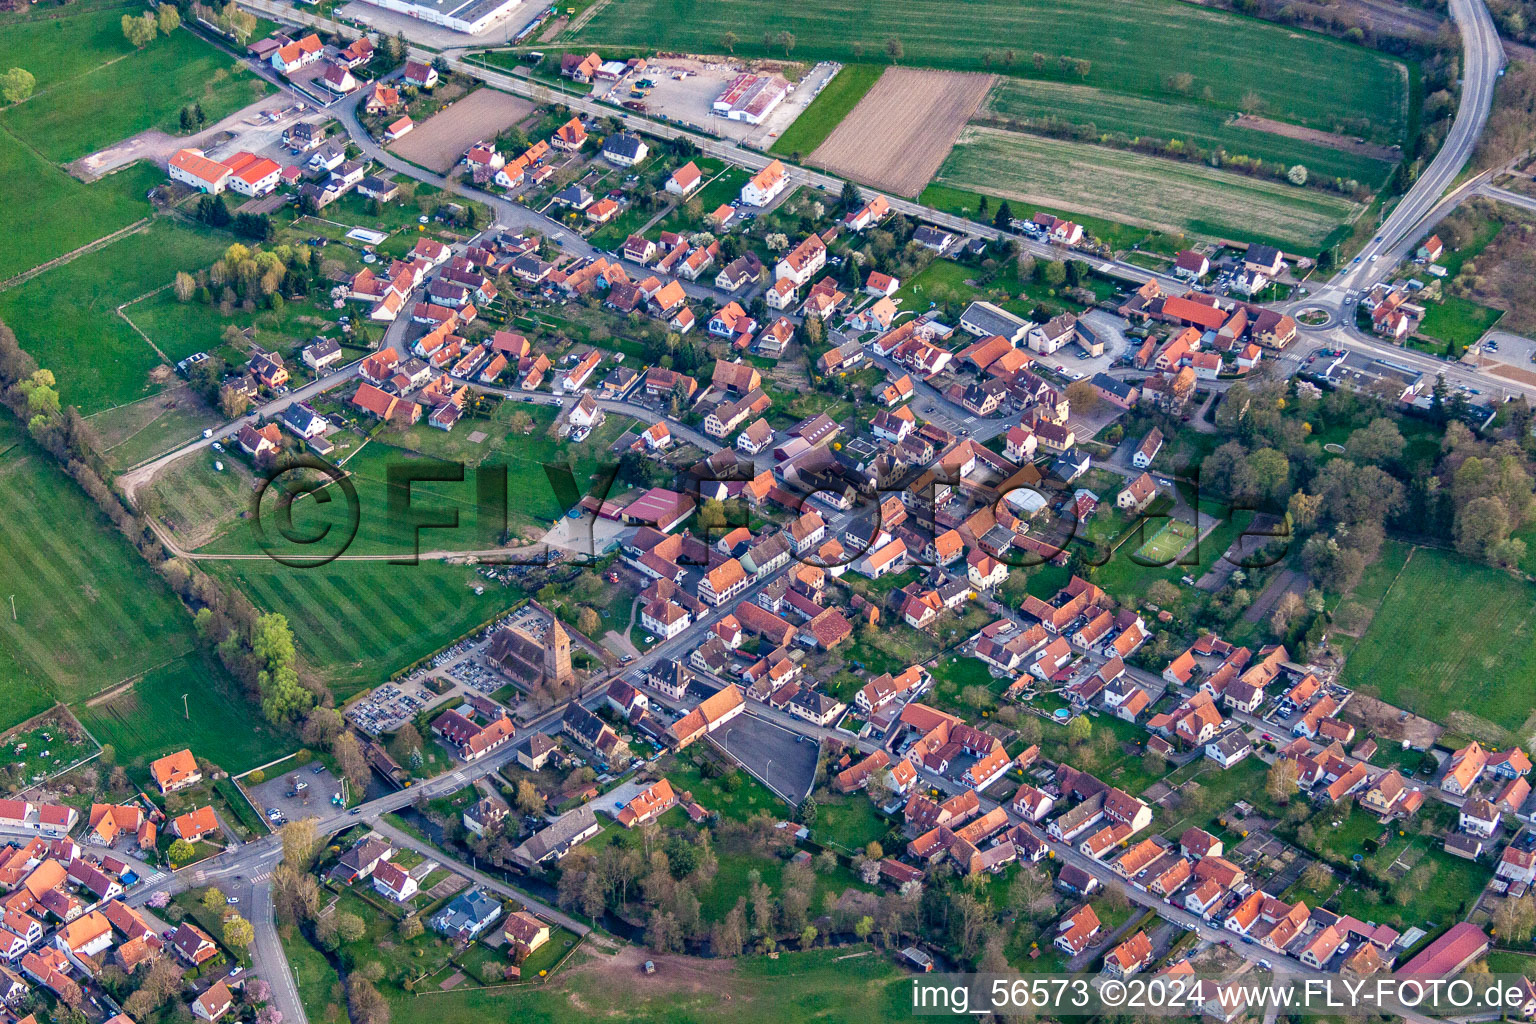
364, 1003
528, 799
212, 899
808, 936
588, 621
16, 85
1003, 219
350, 927
1379, 442
851, 198
238, 932
787, 40
180, 851
410, 927
1280, 783
893, 49
168, 18
1079, 729
301, 842
1316, 876
1082, 397
729, 41
1163, 593
349, 758
140, 31
184, 285
1297, 175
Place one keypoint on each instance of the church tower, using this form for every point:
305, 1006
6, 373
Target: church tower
557, 654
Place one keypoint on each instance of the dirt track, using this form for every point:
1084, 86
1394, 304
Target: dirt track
901, 131
439, 142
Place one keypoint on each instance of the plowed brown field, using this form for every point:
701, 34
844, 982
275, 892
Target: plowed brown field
901, 131
440, 141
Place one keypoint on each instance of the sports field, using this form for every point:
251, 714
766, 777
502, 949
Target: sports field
1035, 103
1425, 651
121, 97
1131, 46
66, 317
1165, 545
829, 107
89, 612
1144, 190
356, 623
150, 719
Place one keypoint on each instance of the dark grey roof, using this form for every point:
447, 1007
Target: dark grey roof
625, 144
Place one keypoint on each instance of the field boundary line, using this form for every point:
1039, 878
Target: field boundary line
106, 693
137, 330
583, 19
73, 254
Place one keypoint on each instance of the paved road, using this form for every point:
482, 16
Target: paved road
481, 879
1482, 58
138, 476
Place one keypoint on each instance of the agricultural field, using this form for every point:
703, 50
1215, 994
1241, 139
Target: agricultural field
149, 719
900, 132
1419, 655
90, 613
1132, 188
1130, 48
45, 213
1026, 103
121, 97
441, 140
65, 317
827, 110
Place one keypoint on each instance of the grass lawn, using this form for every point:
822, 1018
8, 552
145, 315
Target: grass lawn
1441, 892
148, 720
66, 43
45, 213
531, 505
845, 985
320, 988
850, 821
90, 613
827, 110
1130, 45
66, 317
1019, 101
1457, 322
739, 798
1418, 653
1117, 235
1139, 189
145, 89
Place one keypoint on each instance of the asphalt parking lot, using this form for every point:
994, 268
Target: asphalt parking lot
772, 753
313, 799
